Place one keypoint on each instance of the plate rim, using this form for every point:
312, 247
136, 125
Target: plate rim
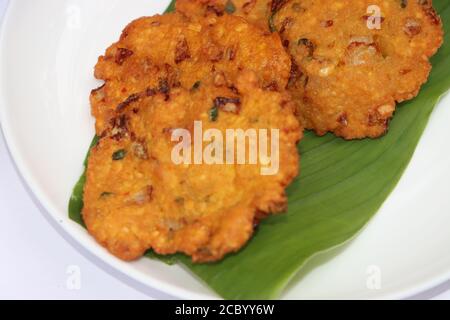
66, 227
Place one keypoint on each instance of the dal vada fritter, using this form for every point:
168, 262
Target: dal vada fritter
136, 198
172, 50
347, 75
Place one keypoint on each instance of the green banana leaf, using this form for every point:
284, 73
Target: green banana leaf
341, 187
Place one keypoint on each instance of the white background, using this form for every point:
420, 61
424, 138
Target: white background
36, 260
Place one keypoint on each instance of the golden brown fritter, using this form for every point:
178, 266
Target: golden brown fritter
257, 12
136, 198
347, 77
169, 51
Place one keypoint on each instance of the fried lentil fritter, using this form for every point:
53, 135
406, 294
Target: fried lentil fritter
172, 50
136, 198
257, 12
347, 77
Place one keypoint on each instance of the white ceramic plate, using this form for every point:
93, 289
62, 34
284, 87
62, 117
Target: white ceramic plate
48, 50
